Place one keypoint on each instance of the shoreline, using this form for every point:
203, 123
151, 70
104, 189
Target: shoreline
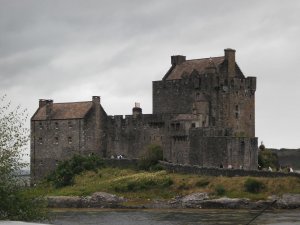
102, 200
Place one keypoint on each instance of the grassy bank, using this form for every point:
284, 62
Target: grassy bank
142, 186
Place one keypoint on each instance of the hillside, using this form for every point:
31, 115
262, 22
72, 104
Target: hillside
288, 157
144, 186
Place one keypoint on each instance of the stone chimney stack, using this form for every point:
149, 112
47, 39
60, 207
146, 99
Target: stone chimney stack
42, 102
177, 59
136, 110
96, 99
230, 60
49, 107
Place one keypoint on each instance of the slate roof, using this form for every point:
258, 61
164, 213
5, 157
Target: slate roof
60, 111
188, 66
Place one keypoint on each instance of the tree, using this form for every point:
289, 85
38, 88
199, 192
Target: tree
14, 137
267, 158
13, 140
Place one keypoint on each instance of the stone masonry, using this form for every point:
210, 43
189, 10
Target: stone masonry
203, 114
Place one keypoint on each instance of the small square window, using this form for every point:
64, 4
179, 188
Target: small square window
56, 140
69, 140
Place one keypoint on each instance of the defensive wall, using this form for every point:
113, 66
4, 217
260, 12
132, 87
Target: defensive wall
179, 168
203, 171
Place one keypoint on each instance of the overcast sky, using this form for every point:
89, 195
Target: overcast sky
70, 50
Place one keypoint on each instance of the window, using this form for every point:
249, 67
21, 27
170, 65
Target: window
41, 125
69, 140
40, 141
70, 124
193, 125
56, 125
56, 140
236, 115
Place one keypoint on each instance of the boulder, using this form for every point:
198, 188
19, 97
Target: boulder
96, 200
102, 199
64, 202
226, 203
287, 201
193, 200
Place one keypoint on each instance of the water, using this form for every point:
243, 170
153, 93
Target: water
173, 217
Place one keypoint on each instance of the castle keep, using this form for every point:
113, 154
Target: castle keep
203, 114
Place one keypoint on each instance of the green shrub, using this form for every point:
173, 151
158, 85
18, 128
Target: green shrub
220, 190
66, 170
253, 186
150, 160
266, 159
15, 204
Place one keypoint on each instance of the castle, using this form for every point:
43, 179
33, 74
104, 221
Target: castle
203, 114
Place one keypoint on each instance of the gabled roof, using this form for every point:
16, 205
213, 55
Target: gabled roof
60, 111
189, 66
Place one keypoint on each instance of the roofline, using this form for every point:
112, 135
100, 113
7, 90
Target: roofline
79, 118
70, 102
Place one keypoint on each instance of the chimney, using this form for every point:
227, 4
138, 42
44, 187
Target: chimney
49, 108
177, 59
42, 102
96, 99
136, 110
230, 59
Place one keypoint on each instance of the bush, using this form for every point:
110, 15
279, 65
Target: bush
220, 190
266, 159
66, 170
17, 205
150, 160
253, 186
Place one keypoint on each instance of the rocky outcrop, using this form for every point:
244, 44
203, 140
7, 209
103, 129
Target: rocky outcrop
96, 200
195, 200
287, 201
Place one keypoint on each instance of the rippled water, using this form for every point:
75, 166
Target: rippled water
173, 217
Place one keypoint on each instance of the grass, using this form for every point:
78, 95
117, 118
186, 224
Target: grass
142, 186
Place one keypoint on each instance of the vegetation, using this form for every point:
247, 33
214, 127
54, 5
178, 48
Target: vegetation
253, 185
150, 160
66, 170
14, 203
220, 190
266, 159
144, 185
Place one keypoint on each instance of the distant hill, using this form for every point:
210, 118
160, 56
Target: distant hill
288, 157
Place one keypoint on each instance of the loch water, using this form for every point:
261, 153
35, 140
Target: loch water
173, 217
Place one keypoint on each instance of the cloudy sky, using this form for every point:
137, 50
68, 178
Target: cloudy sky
70, 50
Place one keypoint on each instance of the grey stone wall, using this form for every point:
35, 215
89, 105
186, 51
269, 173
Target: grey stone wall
52, 141
205, 171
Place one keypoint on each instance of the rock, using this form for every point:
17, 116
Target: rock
287, 201
64, 202
103, 199
194, 200
97, 200
226, 203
